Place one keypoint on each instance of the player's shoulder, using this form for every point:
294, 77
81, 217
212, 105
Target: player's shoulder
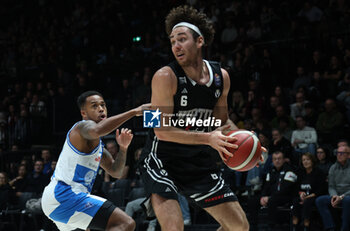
164, 74
224, 73
81, 127
213, 62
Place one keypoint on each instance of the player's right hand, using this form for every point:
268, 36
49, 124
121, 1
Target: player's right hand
219, 141
140, 109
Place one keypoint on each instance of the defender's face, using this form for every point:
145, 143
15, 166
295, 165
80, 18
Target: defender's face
183, 46
94, 109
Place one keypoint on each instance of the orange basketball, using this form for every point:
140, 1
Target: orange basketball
248, 153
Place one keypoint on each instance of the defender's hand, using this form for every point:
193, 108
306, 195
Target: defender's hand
124, 137
139, 110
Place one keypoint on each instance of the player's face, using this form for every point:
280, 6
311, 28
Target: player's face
94, 109
183, 45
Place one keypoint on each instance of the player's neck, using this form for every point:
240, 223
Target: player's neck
197, 71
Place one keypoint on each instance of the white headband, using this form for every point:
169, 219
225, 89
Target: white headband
189, 25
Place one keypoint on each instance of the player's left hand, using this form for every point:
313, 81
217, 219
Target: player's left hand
261, 160
263, 149
123, 137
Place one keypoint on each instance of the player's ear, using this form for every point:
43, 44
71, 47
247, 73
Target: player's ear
83, 112
200, 42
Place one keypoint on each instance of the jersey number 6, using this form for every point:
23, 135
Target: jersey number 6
183, 101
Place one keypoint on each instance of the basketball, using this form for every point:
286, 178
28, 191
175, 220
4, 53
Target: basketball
247, 155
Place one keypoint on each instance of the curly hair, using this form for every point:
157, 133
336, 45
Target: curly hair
191, 15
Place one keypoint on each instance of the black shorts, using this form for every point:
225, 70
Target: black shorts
205, 190
100, 220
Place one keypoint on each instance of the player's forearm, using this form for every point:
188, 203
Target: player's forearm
118, 165
108, 125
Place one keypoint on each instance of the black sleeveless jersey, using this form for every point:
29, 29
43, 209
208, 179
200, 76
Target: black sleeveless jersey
192, 103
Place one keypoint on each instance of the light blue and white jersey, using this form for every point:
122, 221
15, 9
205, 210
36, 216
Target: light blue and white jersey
67, 199
76, 168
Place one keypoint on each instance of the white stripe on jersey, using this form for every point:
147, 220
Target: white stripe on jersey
152, 172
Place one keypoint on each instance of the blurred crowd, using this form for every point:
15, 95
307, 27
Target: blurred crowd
289, 63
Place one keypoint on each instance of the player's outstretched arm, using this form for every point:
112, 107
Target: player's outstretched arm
115, 167
91, 130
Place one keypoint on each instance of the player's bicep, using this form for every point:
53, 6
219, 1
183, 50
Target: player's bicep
87, 129
162, 90
221, 108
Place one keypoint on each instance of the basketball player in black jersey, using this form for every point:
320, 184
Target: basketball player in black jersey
180, 157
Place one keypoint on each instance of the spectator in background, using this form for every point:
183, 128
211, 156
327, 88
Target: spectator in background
134, 175
298, 108
53, 167
270, 110
310, 115
332, 75
228, 34
304, 138
18, 182
339, 191
7, 194
253, 101
323, 159
344, 97
316, 90
279, 143
125, 96
342, 142
282, 96
301, 80
37, 107
311, 184
310, 13
278, 190
142, 94
23, 129
285, 130
46, 157
238, 105
3, 134
35, 181
329, 123
253, 31
281, 113
316, 64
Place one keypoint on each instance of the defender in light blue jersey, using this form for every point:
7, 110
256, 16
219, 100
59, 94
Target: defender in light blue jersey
67, 199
